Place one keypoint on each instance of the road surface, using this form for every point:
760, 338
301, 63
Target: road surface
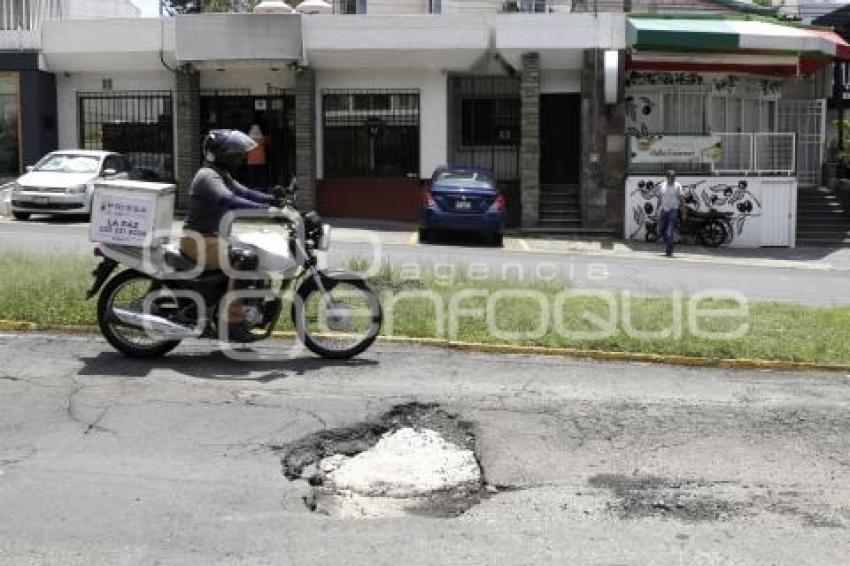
108, 461
644, 273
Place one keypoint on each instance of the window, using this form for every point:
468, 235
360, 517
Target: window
735, 114
68, 163
371, 133
490, 122
351, 7
136, 124
116, 162
9, 111
684, 112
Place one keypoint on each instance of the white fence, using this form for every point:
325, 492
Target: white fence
761, 153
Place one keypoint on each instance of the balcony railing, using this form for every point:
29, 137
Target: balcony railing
27, 15
761, 153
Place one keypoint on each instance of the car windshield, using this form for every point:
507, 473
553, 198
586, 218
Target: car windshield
461, 174
69, 163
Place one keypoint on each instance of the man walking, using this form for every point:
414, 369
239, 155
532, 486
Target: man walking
671, 199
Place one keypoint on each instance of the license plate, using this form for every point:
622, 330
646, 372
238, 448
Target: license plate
463, 205
41, 200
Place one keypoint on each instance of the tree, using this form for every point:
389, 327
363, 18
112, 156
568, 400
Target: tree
181, 6
198, 6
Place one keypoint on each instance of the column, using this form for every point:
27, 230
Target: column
187, 124
305, 137
529, 151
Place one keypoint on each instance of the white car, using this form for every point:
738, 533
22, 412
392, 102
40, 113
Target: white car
63, 182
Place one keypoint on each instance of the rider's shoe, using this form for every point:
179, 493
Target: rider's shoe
239, 334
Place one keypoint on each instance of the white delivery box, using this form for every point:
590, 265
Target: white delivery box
131, 213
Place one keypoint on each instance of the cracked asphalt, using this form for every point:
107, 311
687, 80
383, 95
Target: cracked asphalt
109, 461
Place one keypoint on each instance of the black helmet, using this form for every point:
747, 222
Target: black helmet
221, 143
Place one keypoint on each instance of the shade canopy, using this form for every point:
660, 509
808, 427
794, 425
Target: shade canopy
732, 35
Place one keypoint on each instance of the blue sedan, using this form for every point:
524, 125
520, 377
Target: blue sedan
466, 200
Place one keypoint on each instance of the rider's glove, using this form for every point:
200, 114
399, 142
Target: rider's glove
278, 192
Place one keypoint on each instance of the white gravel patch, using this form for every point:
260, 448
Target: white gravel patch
406, 463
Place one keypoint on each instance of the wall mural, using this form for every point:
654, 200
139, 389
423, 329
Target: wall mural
719, 84
734, 197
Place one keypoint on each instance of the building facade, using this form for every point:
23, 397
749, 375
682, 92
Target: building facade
28, 94
362, 105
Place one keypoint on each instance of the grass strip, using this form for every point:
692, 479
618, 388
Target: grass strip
49, 290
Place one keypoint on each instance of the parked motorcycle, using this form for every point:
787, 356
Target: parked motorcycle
711, 228
147, 309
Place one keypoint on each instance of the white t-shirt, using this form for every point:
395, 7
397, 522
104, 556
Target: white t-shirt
670, 196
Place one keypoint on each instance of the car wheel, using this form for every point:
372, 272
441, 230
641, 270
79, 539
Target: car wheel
424, 235
497, 239
20, 215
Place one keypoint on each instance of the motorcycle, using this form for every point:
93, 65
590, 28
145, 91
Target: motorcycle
711, 228
162, 297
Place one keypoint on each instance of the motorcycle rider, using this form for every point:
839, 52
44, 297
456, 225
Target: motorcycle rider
213, 193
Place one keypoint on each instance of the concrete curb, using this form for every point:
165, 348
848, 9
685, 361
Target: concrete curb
480, 347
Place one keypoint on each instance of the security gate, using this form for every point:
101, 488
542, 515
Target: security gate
807, 119
484, 130
138, 124
271, 118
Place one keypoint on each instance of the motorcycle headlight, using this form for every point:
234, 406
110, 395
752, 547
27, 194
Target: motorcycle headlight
77, 189
324, 241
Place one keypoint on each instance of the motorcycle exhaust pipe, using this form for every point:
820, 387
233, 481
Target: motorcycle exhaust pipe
155, 324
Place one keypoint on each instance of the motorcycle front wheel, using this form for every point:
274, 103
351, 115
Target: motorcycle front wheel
339, 320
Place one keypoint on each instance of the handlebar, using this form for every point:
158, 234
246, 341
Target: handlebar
286, 196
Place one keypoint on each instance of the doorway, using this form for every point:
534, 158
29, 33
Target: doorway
560, 138
269, 119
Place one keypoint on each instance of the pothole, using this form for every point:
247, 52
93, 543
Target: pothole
416, 459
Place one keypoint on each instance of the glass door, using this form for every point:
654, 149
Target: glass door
10, 154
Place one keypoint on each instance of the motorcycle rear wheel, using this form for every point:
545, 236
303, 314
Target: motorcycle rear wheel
131, 342
712, 234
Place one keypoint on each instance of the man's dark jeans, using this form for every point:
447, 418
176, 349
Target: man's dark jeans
669, 218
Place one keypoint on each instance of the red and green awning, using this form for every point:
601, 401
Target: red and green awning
755, 35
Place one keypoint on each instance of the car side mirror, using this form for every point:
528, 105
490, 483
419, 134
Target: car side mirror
30, 168
110, 172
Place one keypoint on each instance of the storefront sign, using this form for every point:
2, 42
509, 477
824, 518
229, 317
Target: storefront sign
123, 219
674, 149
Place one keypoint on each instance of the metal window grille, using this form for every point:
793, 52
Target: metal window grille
484, 124
737, 156
349, 6
774, 153
807, 119
741, 114
138, 124
370, 133
684, 112
28, 14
